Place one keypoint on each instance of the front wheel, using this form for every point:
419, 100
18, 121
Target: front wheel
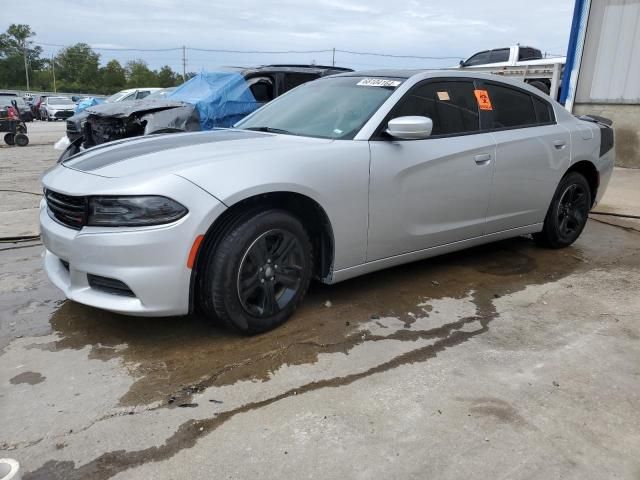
9, 138
259, 273
567, 214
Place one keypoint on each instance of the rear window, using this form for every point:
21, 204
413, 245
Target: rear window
511, 108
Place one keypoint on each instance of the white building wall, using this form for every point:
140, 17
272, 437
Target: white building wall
610, 67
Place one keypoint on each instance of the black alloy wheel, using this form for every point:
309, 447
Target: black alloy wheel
270, 274
254, 277
572, 211
567, 214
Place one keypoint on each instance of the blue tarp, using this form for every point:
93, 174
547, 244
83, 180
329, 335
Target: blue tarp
88, 102
221, 98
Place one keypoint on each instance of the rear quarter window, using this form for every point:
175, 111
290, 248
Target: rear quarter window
544, 112
511, 107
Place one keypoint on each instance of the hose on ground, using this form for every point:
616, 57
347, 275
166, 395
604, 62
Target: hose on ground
621, 215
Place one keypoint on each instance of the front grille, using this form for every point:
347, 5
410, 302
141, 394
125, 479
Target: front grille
64, 114
67, 210
109, 285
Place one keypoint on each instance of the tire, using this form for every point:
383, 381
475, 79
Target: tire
9, 139
258, 273
541, 86
21, 140
567, 214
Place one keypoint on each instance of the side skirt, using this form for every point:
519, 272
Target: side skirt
347, 273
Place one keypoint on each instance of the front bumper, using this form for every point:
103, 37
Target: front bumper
59, 114
150, 261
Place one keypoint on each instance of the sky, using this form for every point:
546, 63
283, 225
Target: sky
451, 28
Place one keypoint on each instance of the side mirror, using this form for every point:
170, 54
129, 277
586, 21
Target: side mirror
410, 128
461, 63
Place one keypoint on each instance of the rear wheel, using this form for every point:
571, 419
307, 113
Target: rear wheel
567, 214
259, 273
9, 139
21, 140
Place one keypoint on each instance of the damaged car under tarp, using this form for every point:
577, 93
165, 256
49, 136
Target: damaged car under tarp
208, 100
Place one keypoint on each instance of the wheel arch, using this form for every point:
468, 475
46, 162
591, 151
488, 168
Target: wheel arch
312, 215
590, 172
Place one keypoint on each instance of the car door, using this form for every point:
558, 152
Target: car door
532, 152
435, 191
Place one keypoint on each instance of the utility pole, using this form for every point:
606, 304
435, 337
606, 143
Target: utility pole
333, 60
26, 66
184, 63
53, 70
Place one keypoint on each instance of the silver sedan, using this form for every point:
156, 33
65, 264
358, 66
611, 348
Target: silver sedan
339, 177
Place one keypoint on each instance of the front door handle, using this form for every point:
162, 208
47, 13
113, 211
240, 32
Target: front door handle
559, 144
482, 158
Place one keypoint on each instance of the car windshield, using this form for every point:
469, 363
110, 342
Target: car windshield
333, 107
160, 94
117, 96
60, 101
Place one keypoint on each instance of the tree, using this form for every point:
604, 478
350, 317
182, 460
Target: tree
139, 75
112, 77
15, 44
167, 77
77, 68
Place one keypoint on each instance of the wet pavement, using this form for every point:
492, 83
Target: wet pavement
437, 362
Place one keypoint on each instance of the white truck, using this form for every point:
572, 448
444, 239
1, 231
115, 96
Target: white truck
526, 63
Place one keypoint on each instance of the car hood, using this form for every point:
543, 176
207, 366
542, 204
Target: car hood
174, 153
125, 109
61, 106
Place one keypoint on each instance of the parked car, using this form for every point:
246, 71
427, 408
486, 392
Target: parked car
25, 111
209, 100
56, 108
35, 106
337, 178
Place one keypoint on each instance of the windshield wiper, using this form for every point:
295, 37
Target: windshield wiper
269, 130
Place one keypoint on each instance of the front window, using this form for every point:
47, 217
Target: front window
334, 108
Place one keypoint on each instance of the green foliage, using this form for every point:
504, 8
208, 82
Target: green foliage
15, 45
77, 68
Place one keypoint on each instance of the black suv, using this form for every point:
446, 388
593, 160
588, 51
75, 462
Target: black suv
160, 113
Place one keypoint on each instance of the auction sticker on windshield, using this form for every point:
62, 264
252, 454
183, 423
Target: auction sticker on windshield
378, 82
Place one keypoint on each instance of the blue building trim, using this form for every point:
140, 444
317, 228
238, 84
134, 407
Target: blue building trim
572, 49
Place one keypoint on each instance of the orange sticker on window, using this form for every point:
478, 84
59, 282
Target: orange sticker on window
482, 97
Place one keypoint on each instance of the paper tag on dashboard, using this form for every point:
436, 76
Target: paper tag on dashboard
378, 82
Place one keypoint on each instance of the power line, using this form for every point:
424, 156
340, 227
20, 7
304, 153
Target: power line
261, 52
419, 57
113, 49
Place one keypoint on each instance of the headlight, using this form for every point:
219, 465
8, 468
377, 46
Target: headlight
133, 211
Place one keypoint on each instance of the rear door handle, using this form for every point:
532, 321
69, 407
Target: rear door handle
559, 144
482, 158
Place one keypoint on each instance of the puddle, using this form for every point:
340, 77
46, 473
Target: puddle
30, 378
173, 358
